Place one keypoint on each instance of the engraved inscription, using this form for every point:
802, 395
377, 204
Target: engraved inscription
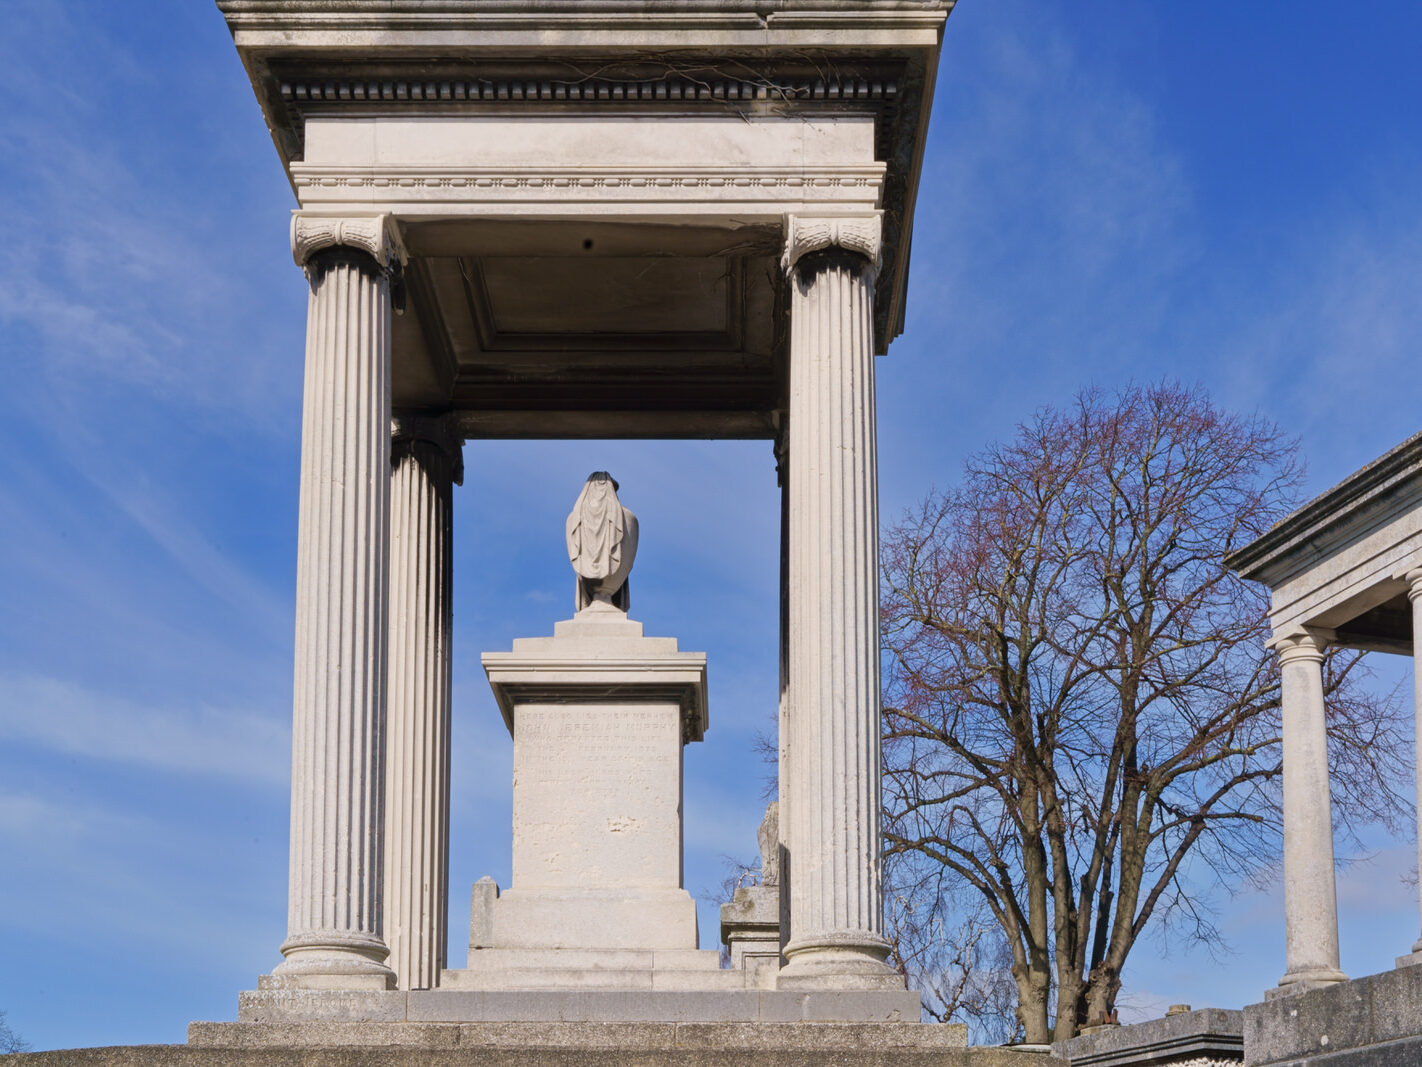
596, 796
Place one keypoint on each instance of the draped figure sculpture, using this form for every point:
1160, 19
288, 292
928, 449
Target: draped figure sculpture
602, 543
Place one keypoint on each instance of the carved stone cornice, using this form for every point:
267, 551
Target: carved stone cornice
858, 234
375, 235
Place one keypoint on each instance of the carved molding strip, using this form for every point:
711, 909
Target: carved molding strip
860, 185
665, 90
373, 234
862, 234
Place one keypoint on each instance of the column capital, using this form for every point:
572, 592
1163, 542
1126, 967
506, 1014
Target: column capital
1413, 578
1301, 642
441, 431
860, 235
375, 235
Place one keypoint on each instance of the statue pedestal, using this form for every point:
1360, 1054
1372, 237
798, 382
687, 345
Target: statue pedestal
599, 714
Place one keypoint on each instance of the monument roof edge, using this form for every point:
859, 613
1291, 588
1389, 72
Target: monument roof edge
1294, 538
384, 16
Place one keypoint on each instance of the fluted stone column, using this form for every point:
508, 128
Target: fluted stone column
1310, 893
337, 780
782, 480
425, 465
1414, 593
831, 783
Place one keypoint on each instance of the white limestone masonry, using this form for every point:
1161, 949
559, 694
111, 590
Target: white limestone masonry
334, 914
599, 714
1310, 893
831, 783
417, 731
605, 220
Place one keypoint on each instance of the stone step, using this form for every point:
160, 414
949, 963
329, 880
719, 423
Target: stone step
754, 1006
457, 1053
593, 959
516, 977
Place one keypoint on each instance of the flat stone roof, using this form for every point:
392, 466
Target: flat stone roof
820, 56
1310, 533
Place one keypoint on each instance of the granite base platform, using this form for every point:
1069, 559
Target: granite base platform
556, 1045
580, 1006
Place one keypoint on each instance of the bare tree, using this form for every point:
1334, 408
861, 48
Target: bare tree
9, 1040
1081, 721
948, 946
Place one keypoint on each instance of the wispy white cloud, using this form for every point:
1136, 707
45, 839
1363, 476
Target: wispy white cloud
140, 289
1053, 221
200, 740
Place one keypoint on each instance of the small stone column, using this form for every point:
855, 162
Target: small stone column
830, 787
1414, 594
337, 776
1310, 894
426, 463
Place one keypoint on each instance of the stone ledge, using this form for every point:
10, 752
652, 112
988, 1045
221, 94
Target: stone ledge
582, 1006
787, 1037
1210, 1033
185, 1056
1324, 1023
1405, 1053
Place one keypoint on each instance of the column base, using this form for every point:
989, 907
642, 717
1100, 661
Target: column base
330, 960
1303, 981
838, 963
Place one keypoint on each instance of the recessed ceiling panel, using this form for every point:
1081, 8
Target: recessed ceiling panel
600, 303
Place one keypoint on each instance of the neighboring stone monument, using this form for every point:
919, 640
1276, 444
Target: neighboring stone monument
750, 921
1344, 570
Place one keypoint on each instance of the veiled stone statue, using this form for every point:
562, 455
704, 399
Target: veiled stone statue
602, 543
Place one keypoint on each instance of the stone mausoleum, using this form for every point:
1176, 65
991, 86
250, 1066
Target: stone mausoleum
583, 219
658, 219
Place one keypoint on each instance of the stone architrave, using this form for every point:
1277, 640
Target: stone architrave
831, 783
1310, 892
425, 465
334, 915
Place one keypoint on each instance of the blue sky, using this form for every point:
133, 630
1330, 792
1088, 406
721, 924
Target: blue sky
1112, 191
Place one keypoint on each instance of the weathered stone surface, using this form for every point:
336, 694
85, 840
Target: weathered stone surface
301, 1005
749, 1036
699, 1004
184, 1056
1366, 1012
1201, 1038
576, 1043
